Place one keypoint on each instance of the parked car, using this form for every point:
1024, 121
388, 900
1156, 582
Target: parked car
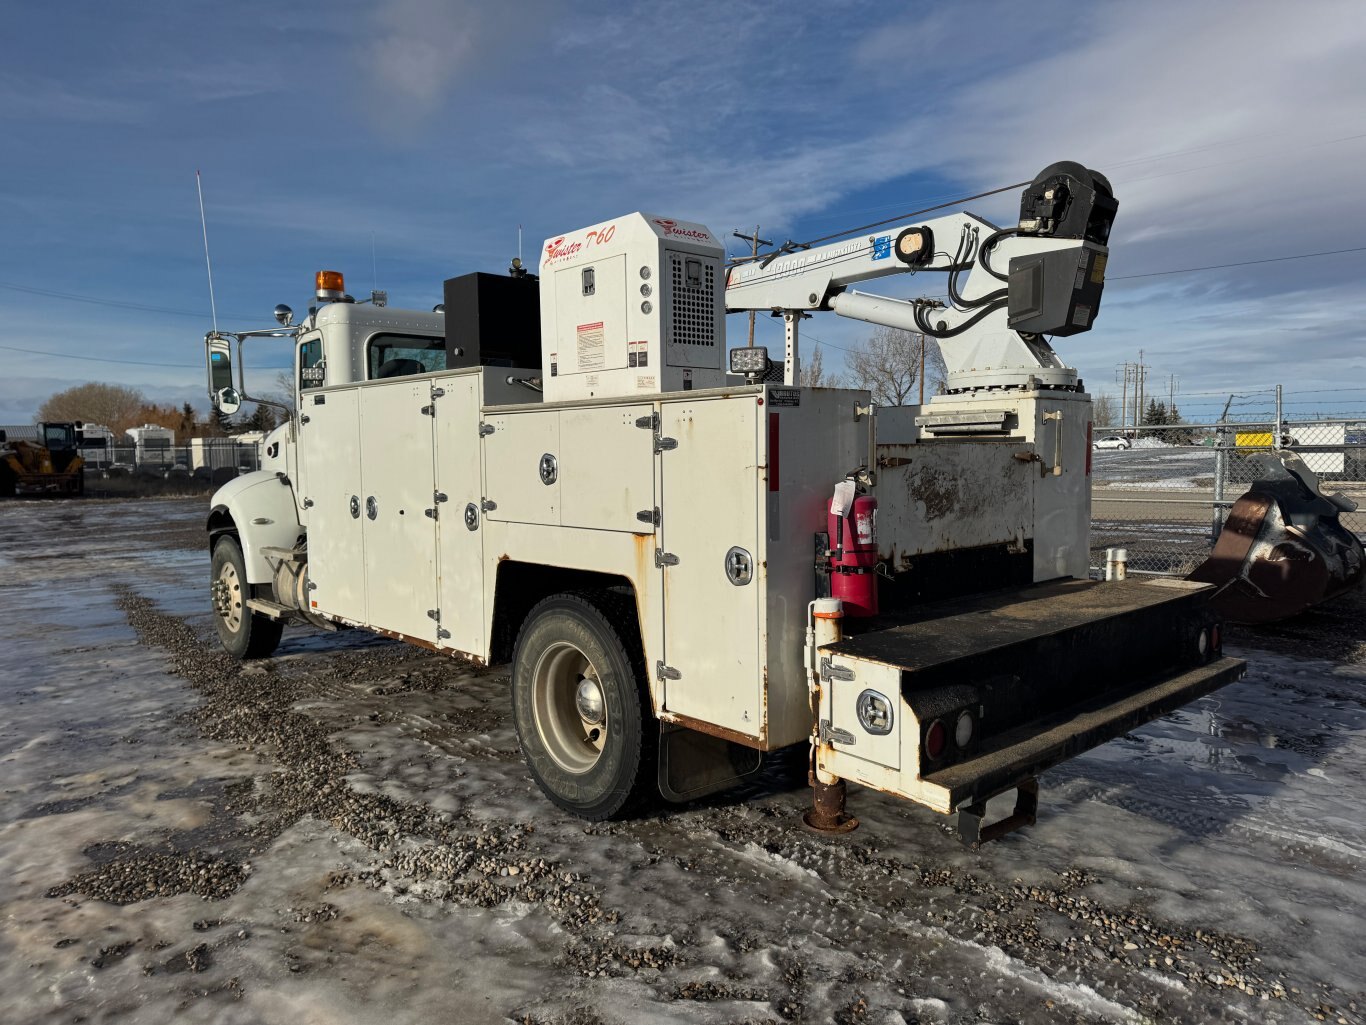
1113, 441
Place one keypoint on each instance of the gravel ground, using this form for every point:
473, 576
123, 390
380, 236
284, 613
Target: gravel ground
346, 833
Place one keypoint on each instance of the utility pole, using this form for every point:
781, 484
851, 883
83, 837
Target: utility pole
922, 368
1139, 407
754, 243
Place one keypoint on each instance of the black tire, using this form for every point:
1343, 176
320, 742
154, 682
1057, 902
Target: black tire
600, 777
244, 634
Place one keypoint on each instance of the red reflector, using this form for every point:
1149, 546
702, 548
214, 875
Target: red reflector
936, 739
1216, 637
773, 438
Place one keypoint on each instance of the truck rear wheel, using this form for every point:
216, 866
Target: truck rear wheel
244, 634
578, 705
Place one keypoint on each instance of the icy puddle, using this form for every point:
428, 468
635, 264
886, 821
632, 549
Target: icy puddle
345, 833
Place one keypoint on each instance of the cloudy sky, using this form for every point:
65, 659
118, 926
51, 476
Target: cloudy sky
403, 142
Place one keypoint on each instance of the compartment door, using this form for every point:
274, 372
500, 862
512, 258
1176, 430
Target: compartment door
460, 546
329, 455
398, 478
607, 468
709, 506
513, 457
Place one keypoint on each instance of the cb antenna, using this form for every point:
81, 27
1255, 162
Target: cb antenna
204, 226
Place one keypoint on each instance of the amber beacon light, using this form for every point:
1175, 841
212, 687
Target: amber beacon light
330, 285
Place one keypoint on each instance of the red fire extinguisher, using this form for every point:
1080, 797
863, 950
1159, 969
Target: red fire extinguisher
852, 524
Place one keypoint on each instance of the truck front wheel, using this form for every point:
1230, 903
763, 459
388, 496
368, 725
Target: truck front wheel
578, 705
245, 634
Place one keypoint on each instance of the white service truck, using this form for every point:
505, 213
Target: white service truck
690, 560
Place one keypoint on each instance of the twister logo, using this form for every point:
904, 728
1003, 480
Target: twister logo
559, 249
671, 228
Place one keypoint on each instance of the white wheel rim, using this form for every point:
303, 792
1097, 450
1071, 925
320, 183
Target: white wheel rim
227, 597
573, 742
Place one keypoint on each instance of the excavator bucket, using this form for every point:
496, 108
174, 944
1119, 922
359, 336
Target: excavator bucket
1283, 548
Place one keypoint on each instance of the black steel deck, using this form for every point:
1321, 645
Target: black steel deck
970, 628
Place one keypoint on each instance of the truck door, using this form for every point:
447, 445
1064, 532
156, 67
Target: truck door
398, 478
460, 526
329, 456
709, 524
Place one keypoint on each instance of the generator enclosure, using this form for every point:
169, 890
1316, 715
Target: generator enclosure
632, 306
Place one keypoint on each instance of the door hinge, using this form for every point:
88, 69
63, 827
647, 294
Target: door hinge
664, 672
829, 671
663, 558
649, 516
308, 503
438, 497
828, 734
438, 392
441, 633
651, 423
485, 430
432, 514
488, 505
429, 410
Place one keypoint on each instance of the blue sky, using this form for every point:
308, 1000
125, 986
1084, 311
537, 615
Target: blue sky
427, 130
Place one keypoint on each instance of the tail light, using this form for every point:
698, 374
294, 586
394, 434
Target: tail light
936, 741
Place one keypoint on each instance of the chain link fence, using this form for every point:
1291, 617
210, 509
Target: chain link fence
1163, 492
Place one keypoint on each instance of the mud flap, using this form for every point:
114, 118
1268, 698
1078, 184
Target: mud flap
1283, 548
693, 764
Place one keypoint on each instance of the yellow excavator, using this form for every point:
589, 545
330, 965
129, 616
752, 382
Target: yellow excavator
52, 465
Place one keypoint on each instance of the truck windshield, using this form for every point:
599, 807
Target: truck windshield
401, 355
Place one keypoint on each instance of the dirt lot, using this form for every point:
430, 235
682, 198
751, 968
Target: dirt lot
346, 833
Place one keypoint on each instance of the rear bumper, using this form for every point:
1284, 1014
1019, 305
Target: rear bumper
1013, 757
975, 696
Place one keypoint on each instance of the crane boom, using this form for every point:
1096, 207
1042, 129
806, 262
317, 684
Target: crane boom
1044, 276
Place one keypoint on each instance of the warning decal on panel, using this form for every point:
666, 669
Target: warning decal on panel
646, 383
784, 396
591, 355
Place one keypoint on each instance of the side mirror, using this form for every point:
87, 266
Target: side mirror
226, 400
218, 353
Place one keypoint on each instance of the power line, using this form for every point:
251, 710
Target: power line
117, 303
126, 362
1241, 263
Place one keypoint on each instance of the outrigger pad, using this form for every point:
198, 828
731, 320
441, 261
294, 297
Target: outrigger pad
1283, 548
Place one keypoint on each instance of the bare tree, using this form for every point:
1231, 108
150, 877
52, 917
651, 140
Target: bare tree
814, 374
284, 389
1105, 413
112, 405
889, 366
